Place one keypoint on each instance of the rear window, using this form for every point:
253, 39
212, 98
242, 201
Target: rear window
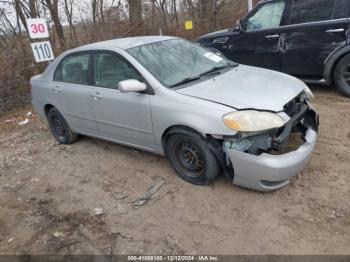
74, 69
306, 11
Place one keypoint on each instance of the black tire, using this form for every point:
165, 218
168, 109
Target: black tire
192, 159
60, 128
342, 75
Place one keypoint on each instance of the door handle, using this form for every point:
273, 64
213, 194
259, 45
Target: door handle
272, 36
57, 89
338, 30
97, 96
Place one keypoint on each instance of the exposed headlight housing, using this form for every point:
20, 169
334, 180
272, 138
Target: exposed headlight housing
253, 121
308, 93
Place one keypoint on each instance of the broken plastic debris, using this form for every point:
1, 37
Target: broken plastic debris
99, 211
10, 240
26, 121
58, 234
146, 196
9, 121
120, 196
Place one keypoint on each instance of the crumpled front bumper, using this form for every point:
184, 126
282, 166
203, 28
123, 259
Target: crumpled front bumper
271, 172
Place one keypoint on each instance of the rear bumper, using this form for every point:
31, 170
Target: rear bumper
271, 172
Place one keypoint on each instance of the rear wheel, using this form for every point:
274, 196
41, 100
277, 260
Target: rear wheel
60, 128
342, 75
191, 158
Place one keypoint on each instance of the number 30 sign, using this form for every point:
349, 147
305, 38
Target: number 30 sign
37, 28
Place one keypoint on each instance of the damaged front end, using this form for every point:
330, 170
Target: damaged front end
266, 161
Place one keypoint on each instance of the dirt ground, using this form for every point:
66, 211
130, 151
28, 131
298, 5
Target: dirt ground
49, 194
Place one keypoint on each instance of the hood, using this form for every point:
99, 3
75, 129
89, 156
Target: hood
215, 34
247, 87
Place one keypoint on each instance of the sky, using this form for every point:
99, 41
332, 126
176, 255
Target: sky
81, 10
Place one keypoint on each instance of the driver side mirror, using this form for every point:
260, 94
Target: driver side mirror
131, 85
238, 27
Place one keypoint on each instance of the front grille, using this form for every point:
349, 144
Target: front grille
297, 111
302, 118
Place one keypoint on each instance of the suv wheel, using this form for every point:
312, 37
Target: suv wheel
342, 75
60, 128
191, 158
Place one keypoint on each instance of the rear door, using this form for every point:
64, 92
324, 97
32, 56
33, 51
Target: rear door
317, 28
258, 43
72, 92
121, 117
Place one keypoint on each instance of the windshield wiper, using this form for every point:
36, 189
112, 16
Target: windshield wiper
186, 80
217, 68
194, 78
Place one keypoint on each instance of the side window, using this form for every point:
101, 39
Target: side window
110, 69
306, 11
339, 10
267, 16
74, 69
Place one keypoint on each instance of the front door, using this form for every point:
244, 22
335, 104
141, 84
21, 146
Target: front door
317, 28
72, 92
258, 43
121, 117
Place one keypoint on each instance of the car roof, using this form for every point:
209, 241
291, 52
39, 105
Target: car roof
125, 43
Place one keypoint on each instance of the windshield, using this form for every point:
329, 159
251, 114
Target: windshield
174, 61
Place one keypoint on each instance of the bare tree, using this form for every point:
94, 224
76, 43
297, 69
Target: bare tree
20, 13
52, 5
135, 12
174, 10
94, 11
163, 8
97, 7
33, 9
68, 9
102, 15
6, 23
205, 13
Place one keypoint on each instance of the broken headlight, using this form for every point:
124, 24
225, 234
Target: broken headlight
308, 93
253, 121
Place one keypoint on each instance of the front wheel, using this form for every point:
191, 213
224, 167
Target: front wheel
191, 158
342, 75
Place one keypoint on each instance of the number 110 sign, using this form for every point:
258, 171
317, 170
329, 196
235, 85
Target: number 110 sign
42, 51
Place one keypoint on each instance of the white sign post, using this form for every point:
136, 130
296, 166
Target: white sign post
37, 28
250, 5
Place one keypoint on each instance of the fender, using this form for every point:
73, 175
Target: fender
214, 145
332, 61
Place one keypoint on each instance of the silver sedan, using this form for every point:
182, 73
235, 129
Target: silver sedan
206, 114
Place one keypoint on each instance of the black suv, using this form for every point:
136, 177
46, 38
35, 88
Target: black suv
306, 38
